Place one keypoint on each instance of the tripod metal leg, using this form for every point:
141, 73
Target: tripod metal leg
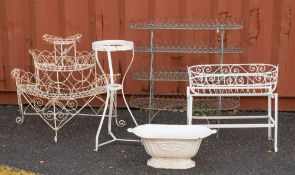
101, 120
189, 109
111, 108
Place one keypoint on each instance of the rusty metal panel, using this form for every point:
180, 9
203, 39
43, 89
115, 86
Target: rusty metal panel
286, 56
267, 37
14, 35
134, 13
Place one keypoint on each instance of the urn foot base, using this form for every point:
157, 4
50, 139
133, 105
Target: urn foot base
171, 163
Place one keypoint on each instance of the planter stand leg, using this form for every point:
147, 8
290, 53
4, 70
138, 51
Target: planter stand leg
55, 137
276, 124
269, 116
101, 121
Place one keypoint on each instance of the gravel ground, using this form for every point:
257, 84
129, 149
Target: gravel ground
30, 146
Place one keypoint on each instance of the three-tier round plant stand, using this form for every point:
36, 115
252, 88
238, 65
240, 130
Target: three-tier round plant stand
64, 85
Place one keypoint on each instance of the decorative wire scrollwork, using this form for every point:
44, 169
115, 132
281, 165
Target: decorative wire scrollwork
120, 123
233, 78
19, 120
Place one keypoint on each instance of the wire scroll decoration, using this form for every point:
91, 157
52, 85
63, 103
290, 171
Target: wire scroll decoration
233, 79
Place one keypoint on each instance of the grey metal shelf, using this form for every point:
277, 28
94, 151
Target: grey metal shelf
161, 75
187, 24
188, 49
178, 103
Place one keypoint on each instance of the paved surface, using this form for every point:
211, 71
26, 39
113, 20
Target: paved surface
30, 146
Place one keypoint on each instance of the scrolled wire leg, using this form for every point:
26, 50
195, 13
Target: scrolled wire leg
119, 123
155, 113
20, 120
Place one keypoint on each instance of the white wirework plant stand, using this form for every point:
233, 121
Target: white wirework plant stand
158, 102
243, 80
64, 84
110, 46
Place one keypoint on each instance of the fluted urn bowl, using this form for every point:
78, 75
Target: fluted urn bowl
171, 146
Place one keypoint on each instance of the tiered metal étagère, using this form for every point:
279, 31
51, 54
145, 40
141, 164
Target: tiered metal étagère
66, 83
178, 102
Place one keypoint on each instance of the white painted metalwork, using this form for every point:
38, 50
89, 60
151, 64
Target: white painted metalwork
64, 84
109, 46
225, 80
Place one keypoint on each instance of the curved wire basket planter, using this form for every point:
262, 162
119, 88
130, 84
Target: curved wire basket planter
65, 84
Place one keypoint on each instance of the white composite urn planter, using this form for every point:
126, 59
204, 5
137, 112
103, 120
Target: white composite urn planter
171, 146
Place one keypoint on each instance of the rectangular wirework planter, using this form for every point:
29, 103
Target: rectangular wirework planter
226, 80
233, 79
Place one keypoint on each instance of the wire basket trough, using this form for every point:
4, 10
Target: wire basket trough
233, 79
226, 80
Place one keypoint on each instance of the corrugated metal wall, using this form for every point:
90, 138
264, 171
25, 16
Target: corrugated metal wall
268, 35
